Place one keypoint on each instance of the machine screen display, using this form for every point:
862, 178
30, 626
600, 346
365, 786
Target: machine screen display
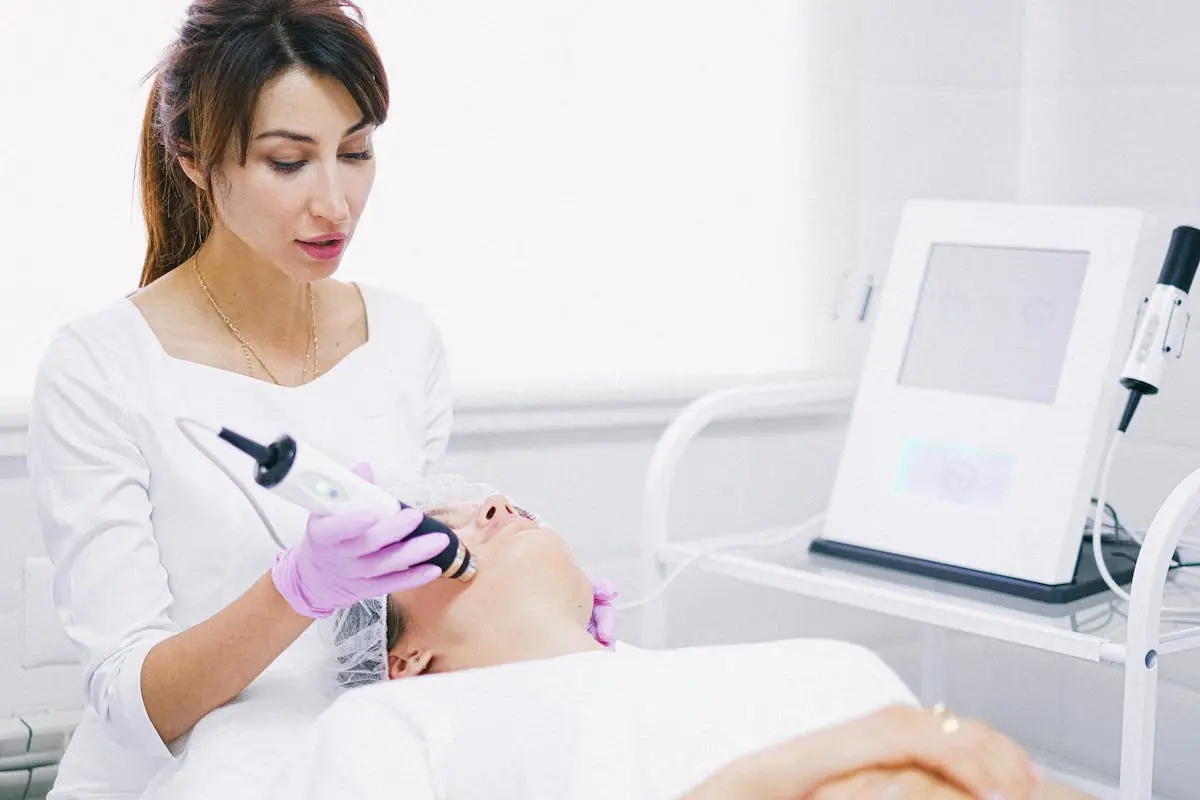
994, 321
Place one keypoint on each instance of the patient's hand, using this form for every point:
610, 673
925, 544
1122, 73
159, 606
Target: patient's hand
914, 783
966, 755
908, 783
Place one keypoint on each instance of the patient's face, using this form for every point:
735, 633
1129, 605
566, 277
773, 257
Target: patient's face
523, 568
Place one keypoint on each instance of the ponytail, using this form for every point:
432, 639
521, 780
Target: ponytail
177, 221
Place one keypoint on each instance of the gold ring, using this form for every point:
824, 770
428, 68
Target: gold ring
949, 721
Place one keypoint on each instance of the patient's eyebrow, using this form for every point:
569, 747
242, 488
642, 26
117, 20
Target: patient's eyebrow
450, 514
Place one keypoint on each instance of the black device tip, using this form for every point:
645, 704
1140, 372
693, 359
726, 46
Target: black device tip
260, 453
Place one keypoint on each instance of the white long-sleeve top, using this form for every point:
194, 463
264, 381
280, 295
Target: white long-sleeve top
149, 537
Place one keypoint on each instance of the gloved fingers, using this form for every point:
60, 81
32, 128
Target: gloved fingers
604, 626
364, 471
328, 530
401, 555
603, 591
388, 530
403, 580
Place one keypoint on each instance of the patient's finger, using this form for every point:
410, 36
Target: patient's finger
910, 783
902, 736
1006, 765
859, 784
966, 757
917, 783
1005, 760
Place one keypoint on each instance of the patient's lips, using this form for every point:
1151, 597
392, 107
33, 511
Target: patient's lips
508, 526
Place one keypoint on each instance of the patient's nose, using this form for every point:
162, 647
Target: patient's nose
494, 508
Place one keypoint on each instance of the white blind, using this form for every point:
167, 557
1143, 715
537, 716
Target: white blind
580, 192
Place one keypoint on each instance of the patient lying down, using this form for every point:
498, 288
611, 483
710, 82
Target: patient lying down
518, 700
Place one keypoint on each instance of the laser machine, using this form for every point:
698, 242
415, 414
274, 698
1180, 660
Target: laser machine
989, 391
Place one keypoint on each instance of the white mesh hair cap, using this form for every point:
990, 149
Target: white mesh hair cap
357, 636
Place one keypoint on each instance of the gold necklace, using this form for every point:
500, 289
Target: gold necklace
313, 349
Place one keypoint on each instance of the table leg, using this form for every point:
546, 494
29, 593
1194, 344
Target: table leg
1137, 725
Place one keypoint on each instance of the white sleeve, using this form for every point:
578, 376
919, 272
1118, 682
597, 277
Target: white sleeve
360, 748
439, 405
89, 481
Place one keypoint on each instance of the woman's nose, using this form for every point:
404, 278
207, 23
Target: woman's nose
495, 507
329, 200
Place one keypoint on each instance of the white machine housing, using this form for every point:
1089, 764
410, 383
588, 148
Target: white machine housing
990, 385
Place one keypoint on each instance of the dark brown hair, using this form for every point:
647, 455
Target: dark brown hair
397, 623
205, 90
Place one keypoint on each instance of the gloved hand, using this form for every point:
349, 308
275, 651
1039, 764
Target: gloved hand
603, 624
345, 558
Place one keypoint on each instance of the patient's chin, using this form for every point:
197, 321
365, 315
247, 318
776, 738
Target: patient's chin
536, 549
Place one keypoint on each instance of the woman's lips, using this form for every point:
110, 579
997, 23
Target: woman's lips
323, 249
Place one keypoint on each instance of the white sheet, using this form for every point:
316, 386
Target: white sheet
632, 724
235, 751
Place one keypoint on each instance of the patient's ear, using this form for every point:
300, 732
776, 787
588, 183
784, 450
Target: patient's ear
408, 664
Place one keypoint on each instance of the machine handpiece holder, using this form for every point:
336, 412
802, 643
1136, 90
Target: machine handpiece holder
1162, 324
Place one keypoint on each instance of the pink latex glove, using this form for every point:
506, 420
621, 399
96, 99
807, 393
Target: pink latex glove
345, 558
603, 624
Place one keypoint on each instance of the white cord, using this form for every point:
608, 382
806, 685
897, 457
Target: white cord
1096, 553
712, 547
182, 423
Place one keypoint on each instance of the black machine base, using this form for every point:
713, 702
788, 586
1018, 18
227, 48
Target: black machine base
1119, 556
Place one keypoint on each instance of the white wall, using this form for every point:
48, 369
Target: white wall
581, 193
1111, 114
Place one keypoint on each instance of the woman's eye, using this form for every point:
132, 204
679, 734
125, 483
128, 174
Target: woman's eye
292, 166
286, 166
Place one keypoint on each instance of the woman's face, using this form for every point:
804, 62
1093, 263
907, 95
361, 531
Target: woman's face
308, 172
522, 567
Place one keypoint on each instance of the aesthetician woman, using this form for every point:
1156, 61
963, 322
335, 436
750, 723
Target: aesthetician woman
256, 163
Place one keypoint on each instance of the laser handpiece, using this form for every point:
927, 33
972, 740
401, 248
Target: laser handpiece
318, 483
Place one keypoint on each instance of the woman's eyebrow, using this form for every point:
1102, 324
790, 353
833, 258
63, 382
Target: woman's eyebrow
283, 133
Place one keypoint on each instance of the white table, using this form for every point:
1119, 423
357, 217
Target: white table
1133, 641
